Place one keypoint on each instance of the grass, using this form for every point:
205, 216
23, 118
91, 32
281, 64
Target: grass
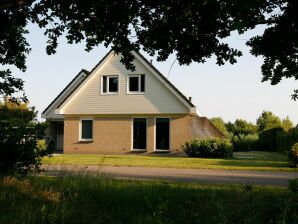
261, 161
85, 199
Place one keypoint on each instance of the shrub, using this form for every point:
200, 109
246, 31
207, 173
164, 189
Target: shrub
247, 143
293, 156
21, 138
268, 139
208, 148
293, 185
21, 147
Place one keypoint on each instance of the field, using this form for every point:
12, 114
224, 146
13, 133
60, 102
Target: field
258, 161
97, 199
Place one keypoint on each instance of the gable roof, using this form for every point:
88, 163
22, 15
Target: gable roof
70, 91
165, 79
67, 88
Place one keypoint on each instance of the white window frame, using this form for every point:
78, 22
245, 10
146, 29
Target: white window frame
154, 136
139, 84
108, 80
139, 150
80, 130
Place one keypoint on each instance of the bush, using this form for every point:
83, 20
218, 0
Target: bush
208, 148
293, 185
293, 156
268, 139
21, 147
247, 143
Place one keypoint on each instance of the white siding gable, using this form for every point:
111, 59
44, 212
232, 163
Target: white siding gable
157, 99
49, 112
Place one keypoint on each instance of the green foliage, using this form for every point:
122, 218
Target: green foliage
241, 127
277, 139
85, 199
268, 139
267, 120
219, 123
246, 143
208, 148
293, 185
192, 29
293, 156
287, 124
21, 140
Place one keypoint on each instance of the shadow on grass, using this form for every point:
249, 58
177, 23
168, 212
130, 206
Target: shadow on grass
99, 199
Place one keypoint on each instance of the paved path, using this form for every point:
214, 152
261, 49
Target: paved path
179, 175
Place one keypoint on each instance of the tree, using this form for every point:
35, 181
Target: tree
267, 120
193, 30
21, 138
287, 124
241, 127
219, 123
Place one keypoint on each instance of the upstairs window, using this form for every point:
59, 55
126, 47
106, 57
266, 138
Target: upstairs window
109, 84
136, 84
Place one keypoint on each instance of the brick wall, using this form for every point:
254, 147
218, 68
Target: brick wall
113, 134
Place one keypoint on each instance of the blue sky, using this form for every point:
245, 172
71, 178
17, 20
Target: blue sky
229, 91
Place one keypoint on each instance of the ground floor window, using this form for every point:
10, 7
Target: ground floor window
162, 134
139, 133
86, 130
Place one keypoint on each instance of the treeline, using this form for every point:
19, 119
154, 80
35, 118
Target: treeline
269, 133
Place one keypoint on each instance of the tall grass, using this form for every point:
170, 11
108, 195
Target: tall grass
98, 199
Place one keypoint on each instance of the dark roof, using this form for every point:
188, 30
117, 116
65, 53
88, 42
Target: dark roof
165, 79
69, 84
88, 73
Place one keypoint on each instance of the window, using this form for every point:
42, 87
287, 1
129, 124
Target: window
86, 130
162, 134
109, 84
136, 83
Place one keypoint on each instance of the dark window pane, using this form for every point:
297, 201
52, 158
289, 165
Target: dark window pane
113, 84
139, 133
87, 129
133, 84
142, 83
104, 84
162, 133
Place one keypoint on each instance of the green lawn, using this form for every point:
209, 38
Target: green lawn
261, 161
85, 199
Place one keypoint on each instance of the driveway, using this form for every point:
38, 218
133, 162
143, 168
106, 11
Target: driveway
179, 175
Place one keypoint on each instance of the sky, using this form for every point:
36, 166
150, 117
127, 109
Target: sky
229, 91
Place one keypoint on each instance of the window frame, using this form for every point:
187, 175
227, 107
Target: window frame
80, 130
139, 84
108, 88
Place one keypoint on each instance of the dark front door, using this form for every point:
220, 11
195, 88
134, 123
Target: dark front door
162, 126
139, 133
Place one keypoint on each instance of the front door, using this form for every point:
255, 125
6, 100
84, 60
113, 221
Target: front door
162, 132
60, 136
139, 133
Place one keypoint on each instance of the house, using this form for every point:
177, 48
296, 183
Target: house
114, 110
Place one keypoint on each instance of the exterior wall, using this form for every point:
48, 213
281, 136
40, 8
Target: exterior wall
157, 99
201, 127
50, 112
113, 134
110, 135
